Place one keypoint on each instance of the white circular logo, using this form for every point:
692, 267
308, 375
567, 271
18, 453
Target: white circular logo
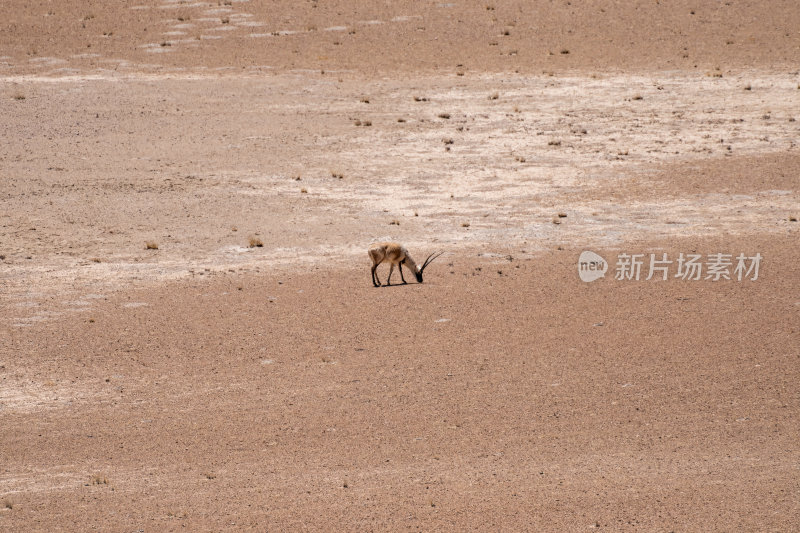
591, 266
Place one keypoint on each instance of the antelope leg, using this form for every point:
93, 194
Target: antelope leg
375, 280
388, 279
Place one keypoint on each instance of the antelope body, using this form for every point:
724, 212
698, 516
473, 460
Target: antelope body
395, 254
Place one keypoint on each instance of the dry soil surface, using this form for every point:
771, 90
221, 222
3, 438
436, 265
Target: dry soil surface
189, 337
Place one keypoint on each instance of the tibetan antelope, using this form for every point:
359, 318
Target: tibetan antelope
395, 254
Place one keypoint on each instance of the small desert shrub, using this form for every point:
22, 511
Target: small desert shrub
18, 96
554, 143
364, 100
420, 99
304, 190
255, 242
465, 224
338, 175
394, 223
443, 115
150, 245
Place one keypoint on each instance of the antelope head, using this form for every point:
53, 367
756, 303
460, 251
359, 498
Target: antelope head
427, 262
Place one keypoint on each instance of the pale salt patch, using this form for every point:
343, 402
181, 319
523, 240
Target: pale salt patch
132, 305
336, 28
47, 60
442, 320
176, 6
405, 18
174, 33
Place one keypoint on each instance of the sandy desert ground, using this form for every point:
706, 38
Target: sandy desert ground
161, 372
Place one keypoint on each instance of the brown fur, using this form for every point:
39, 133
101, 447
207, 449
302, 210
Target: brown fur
394, 253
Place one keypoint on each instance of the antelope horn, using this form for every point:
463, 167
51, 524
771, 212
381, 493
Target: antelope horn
429, 260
